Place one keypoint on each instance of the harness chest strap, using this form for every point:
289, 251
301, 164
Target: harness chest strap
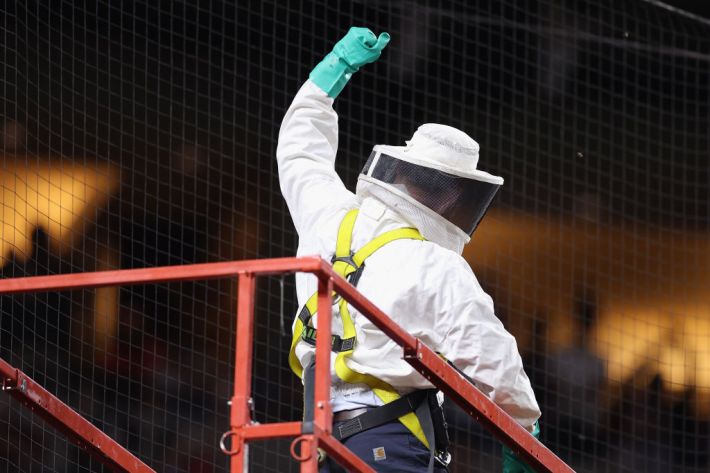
347, 264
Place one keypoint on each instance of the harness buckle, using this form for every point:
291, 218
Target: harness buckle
443, 457
353, 277
345, 259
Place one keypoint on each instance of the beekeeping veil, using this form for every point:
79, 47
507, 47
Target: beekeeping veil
433, 183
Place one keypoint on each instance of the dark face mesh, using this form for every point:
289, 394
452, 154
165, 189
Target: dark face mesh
459, 200
596, 111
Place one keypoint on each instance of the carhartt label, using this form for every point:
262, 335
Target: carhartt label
379, 453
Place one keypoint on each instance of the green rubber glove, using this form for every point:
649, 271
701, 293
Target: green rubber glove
357, 48
511, 463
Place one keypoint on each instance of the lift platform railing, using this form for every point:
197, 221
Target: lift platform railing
309, 435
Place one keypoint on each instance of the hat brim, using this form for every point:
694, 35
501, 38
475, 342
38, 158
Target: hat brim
405, 154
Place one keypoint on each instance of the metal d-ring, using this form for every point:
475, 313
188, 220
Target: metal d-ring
300, 456
236, 446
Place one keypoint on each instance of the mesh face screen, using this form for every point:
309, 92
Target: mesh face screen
143, 133
461, 201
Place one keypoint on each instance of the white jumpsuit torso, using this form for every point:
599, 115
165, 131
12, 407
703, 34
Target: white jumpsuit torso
428, 290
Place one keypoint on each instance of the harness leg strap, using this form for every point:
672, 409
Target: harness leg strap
418, 402
380, 415
423, 413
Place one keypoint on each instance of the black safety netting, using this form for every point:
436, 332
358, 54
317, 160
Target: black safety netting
140, 134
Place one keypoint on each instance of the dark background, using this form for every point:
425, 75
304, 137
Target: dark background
573, 102
699, 8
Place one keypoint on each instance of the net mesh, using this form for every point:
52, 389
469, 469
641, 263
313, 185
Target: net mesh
143, 133
460, 201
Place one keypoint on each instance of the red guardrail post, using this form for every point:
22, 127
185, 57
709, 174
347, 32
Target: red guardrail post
305, 448
241, 400
322, 412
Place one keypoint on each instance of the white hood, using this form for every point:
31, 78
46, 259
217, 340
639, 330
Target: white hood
434, 147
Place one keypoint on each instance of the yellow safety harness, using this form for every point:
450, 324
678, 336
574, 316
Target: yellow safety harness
350, 265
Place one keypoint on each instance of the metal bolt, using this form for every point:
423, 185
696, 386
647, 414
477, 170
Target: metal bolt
23, 386
252, 410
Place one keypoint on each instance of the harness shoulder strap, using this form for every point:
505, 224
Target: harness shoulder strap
382, 390
345, 234
349, 266
347, 263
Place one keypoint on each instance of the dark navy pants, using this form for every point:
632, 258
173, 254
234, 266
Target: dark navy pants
389, 448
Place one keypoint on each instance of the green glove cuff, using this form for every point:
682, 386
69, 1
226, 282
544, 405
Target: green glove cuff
536, 430
331, 74
511, 463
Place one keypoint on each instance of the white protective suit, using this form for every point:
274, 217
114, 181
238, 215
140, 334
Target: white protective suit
427, 289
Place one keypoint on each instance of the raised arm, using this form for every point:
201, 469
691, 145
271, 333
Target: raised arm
308, 140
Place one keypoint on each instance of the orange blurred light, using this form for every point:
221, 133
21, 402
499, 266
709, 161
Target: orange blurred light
55, 195
649, 286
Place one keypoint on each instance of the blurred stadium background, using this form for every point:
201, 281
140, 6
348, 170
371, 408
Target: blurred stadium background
138, 134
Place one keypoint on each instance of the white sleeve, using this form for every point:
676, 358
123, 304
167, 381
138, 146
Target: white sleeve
308, 142
477, 343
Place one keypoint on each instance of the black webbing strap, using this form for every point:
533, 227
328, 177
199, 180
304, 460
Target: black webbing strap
309, 334
418, 402
353, 277
423, 413
304, 315
338, 343
309, 381
380, 415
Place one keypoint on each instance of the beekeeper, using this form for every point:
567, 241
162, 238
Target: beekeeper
399, 239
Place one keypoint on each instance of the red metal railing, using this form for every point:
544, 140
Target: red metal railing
309, 436
64, 418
